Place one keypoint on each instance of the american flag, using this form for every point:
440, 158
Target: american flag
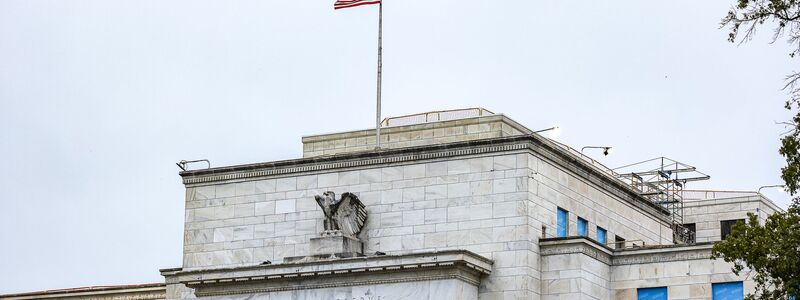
353, 3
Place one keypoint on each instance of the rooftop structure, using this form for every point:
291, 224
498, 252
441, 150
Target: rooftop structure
151, 291
463, 204
432, 128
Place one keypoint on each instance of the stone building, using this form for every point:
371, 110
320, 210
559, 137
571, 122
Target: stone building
461, 205
155, 291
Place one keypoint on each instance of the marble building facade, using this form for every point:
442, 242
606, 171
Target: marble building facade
461, 208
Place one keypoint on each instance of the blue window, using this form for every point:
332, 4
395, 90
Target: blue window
561, 223
792, 298
582, 224
727, 291
656, 293
601, 235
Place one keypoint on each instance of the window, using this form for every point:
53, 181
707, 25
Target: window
561, 226
692, 231
601, 235
620, 242
726, 227
656, 293
727, 291
582, 224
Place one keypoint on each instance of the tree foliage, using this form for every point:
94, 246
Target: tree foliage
771, 250
744, 20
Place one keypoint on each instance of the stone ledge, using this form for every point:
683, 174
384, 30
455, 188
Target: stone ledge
118, 292
324, 273
643, 255
577, 244
666, 253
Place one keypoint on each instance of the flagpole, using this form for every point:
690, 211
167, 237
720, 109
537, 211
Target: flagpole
380, 70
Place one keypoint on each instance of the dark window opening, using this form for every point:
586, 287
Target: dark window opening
727, 226
692, 232
619, 242
582, 227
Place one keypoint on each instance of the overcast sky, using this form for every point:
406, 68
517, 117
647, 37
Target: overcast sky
99, 99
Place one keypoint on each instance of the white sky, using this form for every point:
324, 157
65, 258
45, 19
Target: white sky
99, 99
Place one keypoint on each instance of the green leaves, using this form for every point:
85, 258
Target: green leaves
791, 172
771, 251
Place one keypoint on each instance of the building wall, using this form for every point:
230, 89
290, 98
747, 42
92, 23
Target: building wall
687, 272
477, 204
494, 205
560, 188
152, 291
492, 126
707, 214
498, 204
421, 290
576, 268
576, 273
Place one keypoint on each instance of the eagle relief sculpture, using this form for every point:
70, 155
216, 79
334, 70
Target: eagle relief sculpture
346, 215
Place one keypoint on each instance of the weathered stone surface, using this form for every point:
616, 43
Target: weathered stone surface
485, 185
496, 196
439, 275
335, 244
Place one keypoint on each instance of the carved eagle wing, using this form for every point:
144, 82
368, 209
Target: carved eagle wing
350, 214
319, 202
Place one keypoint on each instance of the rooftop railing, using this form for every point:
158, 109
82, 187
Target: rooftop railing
435, 116
710, 194
591, 161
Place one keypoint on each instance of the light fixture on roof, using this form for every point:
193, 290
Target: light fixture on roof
555, 131
606, 149
184, 164
770, 186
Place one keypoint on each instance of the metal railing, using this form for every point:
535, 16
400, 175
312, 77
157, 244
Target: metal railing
710, 194
594, 163
632, 244
435, 116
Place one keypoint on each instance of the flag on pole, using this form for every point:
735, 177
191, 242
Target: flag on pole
353, 3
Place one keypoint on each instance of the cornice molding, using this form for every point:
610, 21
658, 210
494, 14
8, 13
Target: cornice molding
575, 245
344, 161
334, 280
663, 254
534, 143
328, 273
123, 292
653, 254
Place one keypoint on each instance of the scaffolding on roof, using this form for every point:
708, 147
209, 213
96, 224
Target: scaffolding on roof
662, 181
